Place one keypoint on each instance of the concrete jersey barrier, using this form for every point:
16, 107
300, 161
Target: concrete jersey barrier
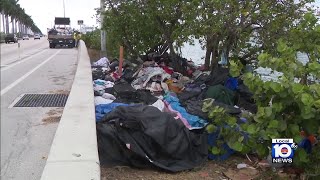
74, 153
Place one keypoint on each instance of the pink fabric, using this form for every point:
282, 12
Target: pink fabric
167, 70
177, 113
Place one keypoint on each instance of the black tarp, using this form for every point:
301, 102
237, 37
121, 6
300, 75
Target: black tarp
143, 136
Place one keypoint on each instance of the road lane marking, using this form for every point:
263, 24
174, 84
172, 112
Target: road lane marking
16, 62
6, 89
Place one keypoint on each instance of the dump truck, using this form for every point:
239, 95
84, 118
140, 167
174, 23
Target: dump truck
61, 34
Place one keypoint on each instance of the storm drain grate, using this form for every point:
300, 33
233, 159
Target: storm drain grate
42, 100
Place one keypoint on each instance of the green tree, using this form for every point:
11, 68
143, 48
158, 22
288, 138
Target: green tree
241, 29
292, 103
143, 26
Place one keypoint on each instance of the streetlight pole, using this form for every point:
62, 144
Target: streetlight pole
103, 32
64, 9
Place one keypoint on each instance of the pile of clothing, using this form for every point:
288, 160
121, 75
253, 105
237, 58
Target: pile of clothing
151, 115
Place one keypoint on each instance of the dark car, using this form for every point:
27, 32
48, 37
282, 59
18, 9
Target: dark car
11, 38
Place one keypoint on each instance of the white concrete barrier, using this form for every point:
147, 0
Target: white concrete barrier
74, 153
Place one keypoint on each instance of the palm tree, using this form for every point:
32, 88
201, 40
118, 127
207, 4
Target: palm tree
17, 14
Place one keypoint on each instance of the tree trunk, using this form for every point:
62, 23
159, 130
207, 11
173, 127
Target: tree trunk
20, 27
209, 50
3, 23
7, 24
215, 54
15, 26
12, 23
172, 53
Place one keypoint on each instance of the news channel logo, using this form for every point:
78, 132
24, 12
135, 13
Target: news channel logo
283, 150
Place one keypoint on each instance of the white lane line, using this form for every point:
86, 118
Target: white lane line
6, 89
19, 62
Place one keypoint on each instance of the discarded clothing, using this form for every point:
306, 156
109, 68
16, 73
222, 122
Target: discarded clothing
98, 73
106, 84
102, 62
221, 94
141, 136
137, 97
176, 115
102, 109
100, 100
231, 83
98, 90
159, 104
194, 121
146, 74
108, 96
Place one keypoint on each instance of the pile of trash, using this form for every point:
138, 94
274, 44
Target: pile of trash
151, 115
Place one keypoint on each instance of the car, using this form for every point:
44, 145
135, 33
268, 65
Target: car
25, 37
11, 38
36, 36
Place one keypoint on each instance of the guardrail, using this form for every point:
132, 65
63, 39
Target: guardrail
74, 153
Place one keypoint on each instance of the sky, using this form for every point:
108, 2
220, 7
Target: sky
43, 12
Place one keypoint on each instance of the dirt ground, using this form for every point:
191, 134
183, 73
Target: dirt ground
212, 170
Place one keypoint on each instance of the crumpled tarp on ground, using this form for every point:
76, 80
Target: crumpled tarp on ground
141, 136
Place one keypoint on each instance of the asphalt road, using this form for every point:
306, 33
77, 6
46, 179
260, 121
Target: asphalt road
27, 132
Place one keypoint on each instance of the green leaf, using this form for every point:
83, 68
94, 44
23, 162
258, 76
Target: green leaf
306, 112
294, 129
241, 138
215, 150
277, 107
301, 155
251, 129
297, 88
237, 146
273, 124
268, 111
317, 103
310, 126
297, 138
306, 99
276, 87
281, 46
263, 56
263, 135
211, 128
262, 150
232, 120
282, 125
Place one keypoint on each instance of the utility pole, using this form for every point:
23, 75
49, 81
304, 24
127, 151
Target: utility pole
64, 9
64, 13
103, 32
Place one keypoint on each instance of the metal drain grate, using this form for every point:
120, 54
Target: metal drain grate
42, 100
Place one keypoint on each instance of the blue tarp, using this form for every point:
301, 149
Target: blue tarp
194, 121
103, 109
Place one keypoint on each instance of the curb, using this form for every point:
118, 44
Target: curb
74, 152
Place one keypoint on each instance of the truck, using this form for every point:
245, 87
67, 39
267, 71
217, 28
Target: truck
61, 34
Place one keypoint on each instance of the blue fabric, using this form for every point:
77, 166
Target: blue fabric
231, 83
99, 82
194, 121
104, 109
306, 145
213, 137
212, 141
